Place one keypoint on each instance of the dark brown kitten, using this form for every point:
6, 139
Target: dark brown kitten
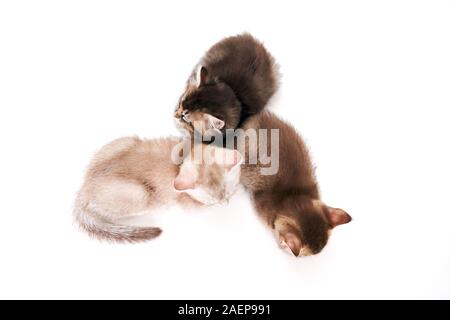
234, 80
289, 201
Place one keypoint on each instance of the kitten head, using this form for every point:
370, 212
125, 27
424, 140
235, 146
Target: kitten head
208, 103
304, 226
212, 179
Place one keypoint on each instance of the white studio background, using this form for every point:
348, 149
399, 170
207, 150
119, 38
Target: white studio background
367, 83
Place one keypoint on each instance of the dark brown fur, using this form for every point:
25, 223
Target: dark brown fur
289, 201
238, 78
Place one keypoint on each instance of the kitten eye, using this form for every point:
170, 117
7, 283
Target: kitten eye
185, 116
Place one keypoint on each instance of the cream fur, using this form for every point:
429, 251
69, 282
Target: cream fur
129, 176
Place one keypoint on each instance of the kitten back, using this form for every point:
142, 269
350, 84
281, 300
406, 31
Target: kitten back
234, 80
289, 200
244, 64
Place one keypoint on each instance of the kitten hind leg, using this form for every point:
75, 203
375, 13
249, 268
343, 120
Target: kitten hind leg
103, 202
114, 199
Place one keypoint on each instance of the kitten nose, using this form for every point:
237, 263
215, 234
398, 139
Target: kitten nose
178, 113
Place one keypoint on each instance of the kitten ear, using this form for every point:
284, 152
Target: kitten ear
292, 240
212, 122
202, 76
228, 158
288, 235
184, 181
337, 216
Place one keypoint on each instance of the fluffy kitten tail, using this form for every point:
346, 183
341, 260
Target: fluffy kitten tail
101, 229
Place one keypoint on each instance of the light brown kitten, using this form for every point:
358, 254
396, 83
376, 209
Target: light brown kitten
289, 201
129, 176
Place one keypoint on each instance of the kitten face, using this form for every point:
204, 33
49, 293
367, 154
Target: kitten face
210, 103
212, 180
305, 225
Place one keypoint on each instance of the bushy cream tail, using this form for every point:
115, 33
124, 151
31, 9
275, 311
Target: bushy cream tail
99, 228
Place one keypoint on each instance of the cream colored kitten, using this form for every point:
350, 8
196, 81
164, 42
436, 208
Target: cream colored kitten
129, 176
